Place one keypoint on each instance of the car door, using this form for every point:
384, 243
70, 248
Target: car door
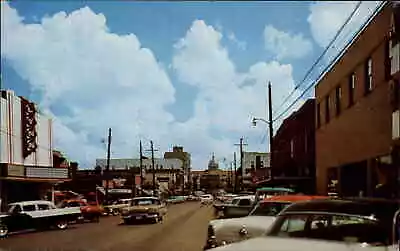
242, 208
14, 221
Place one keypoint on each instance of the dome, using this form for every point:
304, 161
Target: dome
212, 164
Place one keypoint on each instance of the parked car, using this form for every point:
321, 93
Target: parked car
226, 231
144, 209
330, 224
239, 206
116, 207
38, 214
206, 199
91, 212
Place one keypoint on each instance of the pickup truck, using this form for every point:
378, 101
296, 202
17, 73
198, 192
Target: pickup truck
37, 215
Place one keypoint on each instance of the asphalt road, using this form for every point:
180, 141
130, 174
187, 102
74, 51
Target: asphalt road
183, 229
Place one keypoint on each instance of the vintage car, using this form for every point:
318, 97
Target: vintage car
351, 222
226, 231
91, 212
144, 209
266, 192
39, 214
206, 199
116, 207
238, 207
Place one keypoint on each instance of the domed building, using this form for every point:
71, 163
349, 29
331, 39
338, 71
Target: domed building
212, 164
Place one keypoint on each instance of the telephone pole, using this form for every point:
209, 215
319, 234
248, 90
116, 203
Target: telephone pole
271, 129
152, 165
235, 177
241, 144
108, 164
141, 166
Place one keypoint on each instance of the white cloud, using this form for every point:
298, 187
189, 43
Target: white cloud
224, 101
285, 45
107, 80
326, 18
242, 45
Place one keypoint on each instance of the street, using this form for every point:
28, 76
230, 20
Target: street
183, 229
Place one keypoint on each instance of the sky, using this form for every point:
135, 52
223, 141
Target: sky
177, 73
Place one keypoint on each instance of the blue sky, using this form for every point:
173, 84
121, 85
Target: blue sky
189, 73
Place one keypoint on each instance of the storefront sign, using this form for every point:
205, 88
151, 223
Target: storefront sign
16, 171
49, 173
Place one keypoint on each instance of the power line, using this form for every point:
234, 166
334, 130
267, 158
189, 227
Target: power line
321, 55
329, 66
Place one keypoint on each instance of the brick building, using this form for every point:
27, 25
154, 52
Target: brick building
354, 113
294, 149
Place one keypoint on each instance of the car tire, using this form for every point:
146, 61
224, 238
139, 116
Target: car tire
3, 231
61, 224
115, 212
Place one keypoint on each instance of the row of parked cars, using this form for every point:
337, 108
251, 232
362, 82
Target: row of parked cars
303, 222
42, 214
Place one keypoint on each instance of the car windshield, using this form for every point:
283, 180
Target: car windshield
268, 208
145, 202
332, 228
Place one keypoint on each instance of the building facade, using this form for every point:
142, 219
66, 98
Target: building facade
26, 154
355, 118
256, 167
294, 149
185, 157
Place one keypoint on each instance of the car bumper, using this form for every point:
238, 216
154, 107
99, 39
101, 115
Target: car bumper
140, 217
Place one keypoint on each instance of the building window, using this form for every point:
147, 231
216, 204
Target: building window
318, 115
352, 87
327, 107
252, 164
338, 97
368, 76
291, 148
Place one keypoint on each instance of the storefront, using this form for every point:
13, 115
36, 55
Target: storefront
27, 170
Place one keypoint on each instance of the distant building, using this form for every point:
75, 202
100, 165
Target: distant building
256, 167
185, 157
294, 149
357, 112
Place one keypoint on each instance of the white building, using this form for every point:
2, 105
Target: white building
26, 156
252, 161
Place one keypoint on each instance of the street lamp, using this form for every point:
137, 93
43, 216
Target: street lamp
254, 121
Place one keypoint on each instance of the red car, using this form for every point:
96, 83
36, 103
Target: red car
91, 212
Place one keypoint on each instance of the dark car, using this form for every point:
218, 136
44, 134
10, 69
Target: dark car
361, 220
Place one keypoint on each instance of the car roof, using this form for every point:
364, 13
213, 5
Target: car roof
31, 202
293, 198
381, 209
146, 198
275, 189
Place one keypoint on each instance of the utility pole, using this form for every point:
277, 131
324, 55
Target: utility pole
141, 167
108, 164
271, 130
152, 165
241, 144
234, 164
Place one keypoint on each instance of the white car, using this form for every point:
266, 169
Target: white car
284, 244
206, 199
330, 224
